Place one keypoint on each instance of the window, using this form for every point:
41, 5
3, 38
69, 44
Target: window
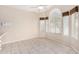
74, 25
47, 25
42, 26
55, 21
66, 25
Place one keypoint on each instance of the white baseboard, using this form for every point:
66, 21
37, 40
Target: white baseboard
18, 40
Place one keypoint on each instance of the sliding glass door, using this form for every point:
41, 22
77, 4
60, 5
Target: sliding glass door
74, 25
47, 25
42, 26
66, 25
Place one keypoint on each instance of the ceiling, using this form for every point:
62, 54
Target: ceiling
35, 8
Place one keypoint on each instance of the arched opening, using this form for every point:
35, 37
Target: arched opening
55, 21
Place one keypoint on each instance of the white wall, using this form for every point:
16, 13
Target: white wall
23, 25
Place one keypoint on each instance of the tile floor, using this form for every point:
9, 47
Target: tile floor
36, 46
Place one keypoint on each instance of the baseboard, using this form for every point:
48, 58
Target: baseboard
18, 40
